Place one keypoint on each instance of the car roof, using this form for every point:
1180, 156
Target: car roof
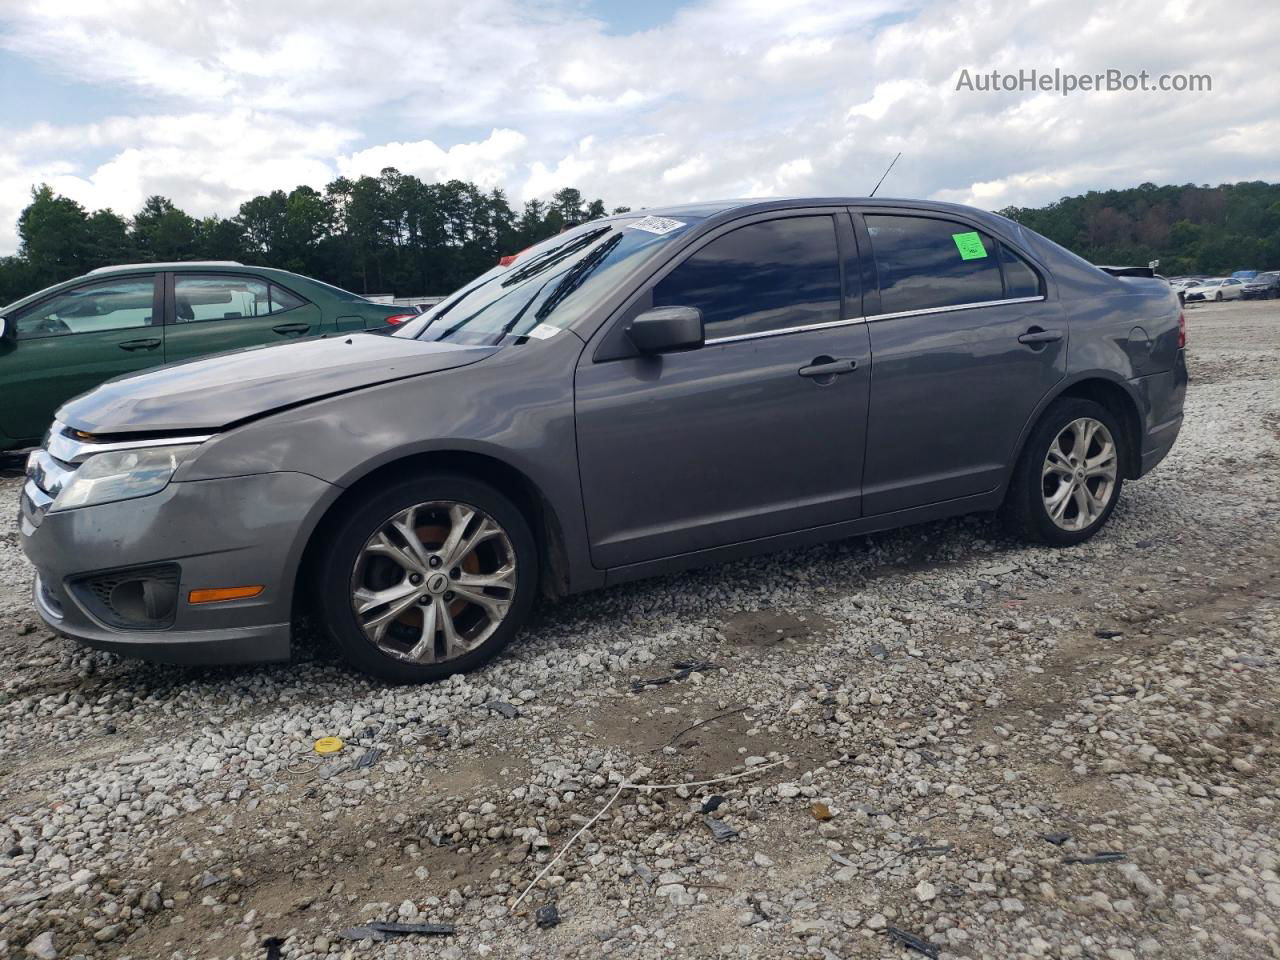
710, 208
165, 265
712, 211
285, 277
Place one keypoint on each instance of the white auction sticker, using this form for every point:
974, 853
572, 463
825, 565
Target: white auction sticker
658, 225
543, 331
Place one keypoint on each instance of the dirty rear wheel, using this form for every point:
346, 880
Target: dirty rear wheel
428, 577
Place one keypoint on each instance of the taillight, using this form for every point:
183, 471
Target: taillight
400, 318
1182, 329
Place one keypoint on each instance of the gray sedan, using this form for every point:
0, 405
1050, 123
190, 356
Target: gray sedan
638, 395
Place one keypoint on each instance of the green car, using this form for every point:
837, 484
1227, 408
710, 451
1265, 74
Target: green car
71, 337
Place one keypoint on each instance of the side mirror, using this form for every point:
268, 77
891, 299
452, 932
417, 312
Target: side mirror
7, 330
664, 329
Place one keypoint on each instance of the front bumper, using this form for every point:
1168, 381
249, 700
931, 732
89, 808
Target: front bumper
227, 532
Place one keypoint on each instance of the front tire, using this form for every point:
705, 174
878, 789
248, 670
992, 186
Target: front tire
428, 577
1068, 478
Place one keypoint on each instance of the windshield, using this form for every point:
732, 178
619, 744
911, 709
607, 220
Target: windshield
1265, 277
1210, 283
546, 287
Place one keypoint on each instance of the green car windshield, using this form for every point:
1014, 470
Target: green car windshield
548, 286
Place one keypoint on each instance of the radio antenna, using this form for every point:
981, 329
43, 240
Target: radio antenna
885, 174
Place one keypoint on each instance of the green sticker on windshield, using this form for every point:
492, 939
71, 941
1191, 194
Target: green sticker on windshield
969, 245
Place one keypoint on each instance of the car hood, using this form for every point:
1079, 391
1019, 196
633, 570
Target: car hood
227, 388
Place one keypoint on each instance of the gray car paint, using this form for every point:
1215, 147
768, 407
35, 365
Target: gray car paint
636, 466
213, 391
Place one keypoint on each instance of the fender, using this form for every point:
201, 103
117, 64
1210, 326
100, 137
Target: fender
1064, 386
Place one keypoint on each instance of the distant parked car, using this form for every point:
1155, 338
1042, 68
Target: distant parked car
1265, 286
1219, 288
1245, 274
69, 338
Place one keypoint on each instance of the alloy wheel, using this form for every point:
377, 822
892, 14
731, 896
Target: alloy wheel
1078, 478
434, 582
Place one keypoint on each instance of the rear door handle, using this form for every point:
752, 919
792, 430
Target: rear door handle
291, 329
1036, 335
827, 368
147, 344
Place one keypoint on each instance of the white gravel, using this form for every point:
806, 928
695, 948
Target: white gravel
942, 697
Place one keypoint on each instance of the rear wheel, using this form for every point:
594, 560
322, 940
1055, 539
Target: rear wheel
428, 578
1068, 479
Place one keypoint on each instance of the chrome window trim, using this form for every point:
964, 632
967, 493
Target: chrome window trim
954, 307
759, 334
735, 338
63, 448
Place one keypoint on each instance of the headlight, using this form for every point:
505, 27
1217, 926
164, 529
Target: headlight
121, 475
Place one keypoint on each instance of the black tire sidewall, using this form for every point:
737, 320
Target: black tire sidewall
1030, 516
333, 573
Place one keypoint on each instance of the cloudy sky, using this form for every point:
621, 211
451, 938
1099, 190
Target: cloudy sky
213, 102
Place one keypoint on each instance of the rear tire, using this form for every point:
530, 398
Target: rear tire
410, 612
1059, 495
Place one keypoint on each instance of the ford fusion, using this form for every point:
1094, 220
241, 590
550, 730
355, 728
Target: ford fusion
638, 395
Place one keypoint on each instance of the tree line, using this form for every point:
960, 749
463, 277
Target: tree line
387, 234
396, 234
1190, 229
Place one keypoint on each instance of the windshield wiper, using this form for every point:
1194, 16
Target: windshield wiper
552, 257
441, 311
576, 275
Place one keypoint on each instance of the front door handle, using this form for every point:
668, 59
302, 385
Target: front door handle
824, 368
291, 329
147, 344
1036, 336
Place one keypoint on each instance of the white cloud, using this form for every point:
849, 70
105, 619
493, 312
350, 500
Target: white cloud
208, 162
728, 98
489, 163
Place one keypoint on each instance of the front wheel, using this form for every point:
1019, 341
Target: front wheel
428, 577
1218, 296
1068, 479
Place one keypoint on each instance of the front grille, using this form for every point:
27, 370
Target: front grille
141, 598
48, 473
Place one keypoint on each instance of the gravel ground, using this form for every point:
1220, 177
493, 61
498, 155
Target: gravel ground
937, 732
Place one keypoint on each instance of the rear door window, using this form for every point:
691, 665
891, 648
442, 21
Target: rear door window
93, 308
759, 278
282, 299
1020, 278
924, 263
198, 298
